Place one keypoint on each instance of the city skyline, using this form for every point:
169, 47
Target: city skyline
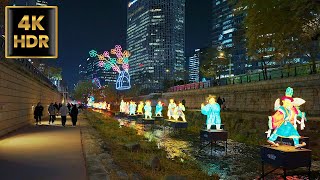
101, 32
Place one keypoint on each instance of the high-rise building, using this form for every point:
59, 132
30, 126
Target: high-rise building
156, 40
227, 32
194, 62
82, 72
95, 71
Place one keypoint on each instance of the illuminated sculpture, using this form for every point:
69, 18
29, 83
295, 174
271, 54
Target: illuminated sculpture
96, 82
126, 110
140, 108
120, 62
159, 109
148, 110
212, 111
178, 112
90, 101
122, 106
171, 108
132, 108
284, 121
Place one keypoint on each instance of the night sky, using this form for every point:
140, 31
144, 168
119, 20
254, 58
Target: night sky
97, 24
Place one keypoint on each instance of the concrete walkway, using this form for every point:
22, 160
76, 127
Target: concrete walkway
43, 153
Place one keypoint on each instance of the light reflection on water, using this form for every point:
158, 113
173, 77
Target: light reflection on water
241, 162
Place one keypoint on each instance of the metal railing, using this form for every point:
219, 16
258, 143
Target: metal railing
290, 71
34, 72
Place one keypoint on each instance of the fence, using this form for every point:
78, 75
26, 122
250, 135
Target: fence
293, 71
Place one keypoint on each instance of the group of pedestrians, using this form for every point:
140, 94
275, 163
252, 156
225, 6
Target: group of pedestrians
55, 110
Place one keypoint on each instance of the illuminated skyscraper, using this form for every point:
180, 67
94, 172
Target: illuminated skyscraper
194, 62
227, 32
156, 40
95, 71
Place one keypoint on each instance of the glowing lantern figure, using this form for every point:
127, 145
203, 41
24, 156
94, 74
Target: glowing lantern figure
159, 109
148, 110
178, 112
132, 108
212, 111
284, 121
140, 107
171, 108
120, 64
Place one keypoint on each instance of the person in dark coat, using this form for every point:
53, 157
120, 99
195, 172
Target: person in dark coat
69, 106
52, 112
60, 105
74, 115
38, 112
56, 106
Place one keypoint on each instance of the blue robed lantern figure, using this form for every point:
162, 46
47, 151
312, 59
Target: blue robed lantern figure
212, 111
159, 109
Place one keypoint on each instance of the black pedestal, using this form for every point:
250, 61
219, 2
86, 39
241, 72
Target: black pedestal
289, 141
158, 118
285, 157
212, 136
145, 121
121, 115
132, 117
140, 116
176, 124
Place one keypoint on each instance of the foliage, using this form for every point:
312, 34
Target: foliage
281, 29
54, 73
139, 162
82, 90
106, 93
213, 62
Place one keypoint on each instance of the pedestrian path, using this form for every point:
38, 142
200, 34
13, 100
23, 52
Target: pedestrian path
45, 152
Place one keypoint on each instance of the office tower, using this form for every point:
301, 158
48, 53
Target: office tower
82, 72
194, 62
156, 40
227, 32
95, 71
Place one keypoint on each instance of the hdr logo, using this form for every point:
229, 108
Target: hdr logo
31, 32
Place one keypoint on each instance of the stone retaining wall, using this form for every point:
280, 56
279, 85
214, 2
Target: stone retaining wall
253, 97
19, 94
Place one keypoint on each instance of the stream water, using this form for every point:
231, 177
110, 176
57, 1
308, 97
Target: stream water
240, 162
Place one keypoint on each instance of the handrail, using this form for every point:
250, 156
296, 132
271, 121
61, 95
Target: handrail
290, 71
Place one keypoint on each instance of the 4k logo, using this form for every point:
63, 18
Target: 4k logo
31, 32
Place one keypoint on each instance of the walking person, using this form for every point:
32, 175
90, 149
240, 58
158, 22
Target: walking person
52, 113
63, 112
38, 110
74, 115
69, 106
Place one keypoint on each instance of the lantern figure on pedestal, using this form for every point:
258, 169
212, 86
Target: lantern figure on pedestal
171, 108
159, 109
212, 111
148, 110
284, 121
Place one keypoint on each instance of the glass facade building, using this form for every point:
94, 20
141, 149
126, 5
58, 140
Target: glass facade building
194, 62
156, 40
228, 33
95, 71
